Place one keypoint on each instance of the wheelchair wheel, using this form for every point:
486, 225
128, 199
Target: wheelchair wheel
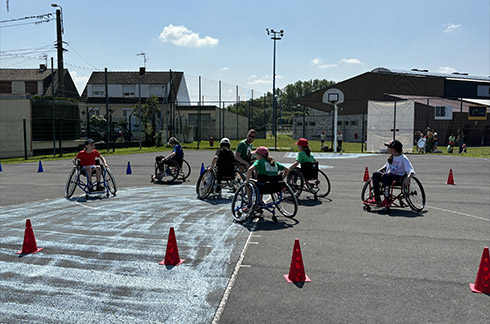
367, 190
185, 171
170, 171
286, 201
205, 184
72, 182
414, 194
321, 186
295, 180
244, 202
110, 182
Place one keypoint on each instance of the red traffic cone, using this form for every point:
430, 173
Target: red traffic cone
482, 282
366, 175
172, 254
297, 269
29, 245
450, 178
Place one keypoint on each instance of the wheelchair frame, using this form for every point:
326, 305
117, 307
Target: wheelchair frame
296, 175
407, 197
75, 180
243, 207
171, 172
207, 184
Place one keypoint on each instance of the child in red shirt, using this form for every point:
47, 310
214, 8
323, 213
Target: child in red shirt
87, 161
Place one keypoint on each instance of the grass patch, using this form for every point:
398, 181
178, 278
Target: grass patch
285, 143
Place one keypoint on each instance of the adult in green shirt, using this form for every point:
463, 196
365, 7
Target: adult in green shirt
244, 149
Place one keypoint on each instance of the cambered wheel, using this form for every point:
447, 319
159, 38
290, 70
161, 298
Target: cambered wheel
244, 202
414, 194
169, 171
205, 184
367, 190
110, 182
295, 180
286, 201
72, 182
321, 186
185, 171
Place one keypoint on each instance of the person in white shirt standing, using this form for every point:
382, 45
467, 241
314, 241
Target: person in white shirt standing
397, 166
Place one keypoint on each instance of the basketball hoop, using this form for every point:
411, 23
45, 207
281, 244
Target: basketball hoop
333, 96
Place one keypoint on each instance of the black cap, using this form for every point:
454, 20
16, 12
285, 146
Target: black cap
396, 144
88, 141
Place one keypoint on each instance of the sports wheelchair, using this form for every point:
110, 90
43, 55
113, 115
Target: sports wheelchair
166, 171
78, 177
310, 179
411, 194
212, 182
249, 198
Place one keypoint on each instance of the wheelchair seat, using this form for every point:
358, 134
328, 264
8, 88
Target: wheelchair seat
226, 172
309, 170
270, 184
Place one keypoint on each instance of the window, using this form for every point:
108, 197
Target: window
156, 91
299, 124
339, 123
346, 122
353, 122
312, 123
128, 91
93, 111
98, 91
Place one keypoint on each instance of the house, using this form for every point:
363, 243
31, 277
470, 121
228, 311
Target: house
35, 82
177, 117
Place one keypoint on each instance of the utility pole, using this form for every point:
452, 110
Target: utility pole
59, 49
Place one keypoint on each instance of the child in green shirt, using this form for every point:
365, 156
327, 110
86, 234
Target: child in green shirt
304, 154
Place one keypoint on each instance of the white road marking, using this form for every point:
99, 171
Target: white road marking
459, 213
321, 156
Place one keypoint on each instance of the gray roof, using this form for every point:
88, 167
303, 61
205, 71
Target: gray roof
24, 74
417, 72
133, 77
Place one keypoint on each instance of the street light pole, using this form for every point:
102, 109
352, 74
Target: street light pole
275, 35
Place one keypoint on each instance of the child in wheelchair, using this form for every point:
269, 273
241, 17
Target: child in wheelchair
267, 169
304, 154
87, 159
225, 162
397, 166
177, 155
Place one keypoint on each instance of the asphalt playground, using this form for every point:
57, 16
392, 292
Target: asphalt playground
100, 257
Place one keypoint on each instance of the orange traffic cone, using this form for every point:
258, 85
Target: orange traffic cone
172, 254
366, 175
482, 283
297, 269
29, 245
450, 179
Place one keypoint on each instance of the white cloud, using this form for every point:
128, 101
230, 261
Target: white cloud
266, 79
181, 36
316, 61
351, 61
450, 27
326, 66
446, 69
224, 68
80, 81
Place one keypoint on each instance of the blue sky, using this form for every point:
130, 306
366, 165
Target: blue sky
227, 40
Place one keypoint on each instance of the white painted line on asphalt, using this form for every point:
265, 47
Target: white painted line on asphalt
226, 294
253, 243
245, 266
320, 156
459, 213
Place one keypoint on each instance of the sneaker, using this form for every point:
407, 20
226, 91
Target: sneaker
373, 201
100, 188
385, 203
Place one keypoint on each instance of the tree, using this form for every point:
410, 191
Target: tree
149, 114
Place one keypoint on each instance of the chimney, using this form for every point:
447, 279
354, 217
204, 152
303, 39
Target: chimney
42, 67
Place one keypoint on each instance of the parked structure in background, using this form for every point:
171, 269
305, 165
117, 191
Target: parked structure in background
176, 116
445, 102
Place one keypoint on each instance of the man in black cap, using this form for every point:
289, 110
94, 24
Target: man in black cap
397, 166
